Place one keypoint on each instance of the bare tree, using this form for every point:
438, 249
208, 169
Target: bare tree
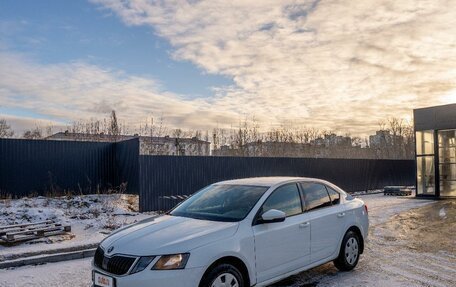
220, 137
114, 128
49, 130
382, 125
153, 132
33, 134
403, 137
154, 128
97, 129
178, 133
5, 130
409, 136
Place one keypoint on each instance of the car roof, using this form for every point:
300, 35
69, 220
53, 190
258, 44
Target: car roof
267, 181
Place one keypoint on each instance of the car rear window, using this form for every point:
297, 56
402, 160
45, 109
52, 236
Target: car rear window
334, 195
316, 196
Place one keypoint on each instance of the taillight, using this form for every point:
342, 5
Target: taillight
365, 208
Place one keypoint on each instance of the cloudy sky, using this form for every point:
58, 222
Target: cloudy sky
331, 64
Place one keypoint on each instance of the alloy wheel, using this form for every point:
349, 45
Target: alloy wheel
225, 280
351, 250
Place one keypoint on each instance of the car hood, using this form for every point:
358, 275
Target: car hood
167, 235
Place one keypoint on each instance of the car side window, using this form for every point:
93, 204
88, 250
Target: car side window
285, 198
315, 195
334, 195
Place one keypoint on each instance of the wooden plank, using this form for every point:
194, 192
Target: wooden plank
34, 227
50, 228
31, 237
26, 224
23, 238
31, 227
21, 230
25, 232
34, 236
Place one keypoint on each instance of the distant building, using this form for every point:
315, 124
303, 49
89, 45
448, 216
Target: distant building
174, 146
83, 137
270, 148
317, 149
147, 145
332, 140
384, 139
318, 142
225, 150
335, 140
435, 137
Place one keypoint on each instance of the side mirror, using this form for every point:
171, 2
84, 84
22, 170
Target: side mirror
273, 215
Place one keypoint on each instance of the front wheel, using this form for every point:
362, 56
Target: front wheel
349, 252
223, 275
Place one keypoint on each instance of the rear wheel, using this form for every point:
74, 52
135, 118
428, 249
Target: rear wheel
349, 252
223, 275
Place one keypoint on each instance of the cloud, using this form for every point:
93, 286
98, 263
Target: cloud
77, 90
19, 124
330, 64
341, 65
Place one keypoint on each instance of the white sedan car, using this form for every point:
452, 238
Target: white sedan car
246, 232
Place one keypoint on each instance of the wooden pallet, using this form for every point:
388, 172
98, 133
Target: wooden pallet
11, 234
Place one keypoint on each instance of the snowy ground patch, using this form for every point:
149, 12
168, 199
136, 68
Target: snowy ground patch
91, 217
397, 252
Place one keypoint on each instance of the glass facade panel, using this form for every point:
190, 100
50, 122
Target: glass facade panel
424, 142
447, 162
425, 175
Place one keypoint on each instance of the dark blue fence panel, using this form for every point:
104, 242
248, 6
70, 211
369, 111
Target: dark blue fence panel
165, 180
41, 167
127, 166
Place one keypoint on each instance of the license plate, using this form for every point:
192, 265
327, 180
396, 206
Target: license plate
101, 280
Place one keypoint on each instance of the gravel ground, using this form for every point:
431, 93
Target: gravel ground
399, 252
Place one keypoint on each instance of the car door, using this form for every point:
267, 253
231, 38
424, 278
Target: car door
326, 218
283, 246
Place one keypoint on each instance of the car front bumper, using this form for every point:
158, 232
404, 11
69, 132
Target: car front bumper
189, 277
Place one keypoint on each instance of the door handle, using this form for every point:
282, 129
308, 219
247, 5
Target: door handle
340, 215
304, 224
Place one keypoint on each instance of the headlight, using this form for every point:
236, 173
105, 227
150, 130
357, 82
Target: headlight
142, 263
169, 262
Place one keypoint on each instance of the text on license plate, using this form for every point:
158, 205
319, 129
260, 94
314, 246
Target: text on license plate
103, 280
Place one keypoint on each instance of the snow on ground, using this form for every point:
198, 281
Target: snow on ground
388, 260
91, 217
75, 273
392, 255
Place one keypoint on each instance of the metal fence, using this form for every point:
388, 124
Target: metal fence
40, 166
43, 167
166, 180
127, 165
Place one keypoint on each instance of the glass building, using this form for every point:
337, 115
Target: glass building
435, 138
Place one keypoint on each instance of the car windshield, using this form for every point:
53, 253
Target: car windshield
221, 202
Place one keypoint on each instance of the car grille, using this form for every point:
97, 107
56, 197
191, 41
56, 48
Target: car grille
117, 264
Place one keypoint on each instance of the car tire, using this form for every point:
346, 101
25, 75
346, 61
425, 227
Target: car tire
349, 252
219, 275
